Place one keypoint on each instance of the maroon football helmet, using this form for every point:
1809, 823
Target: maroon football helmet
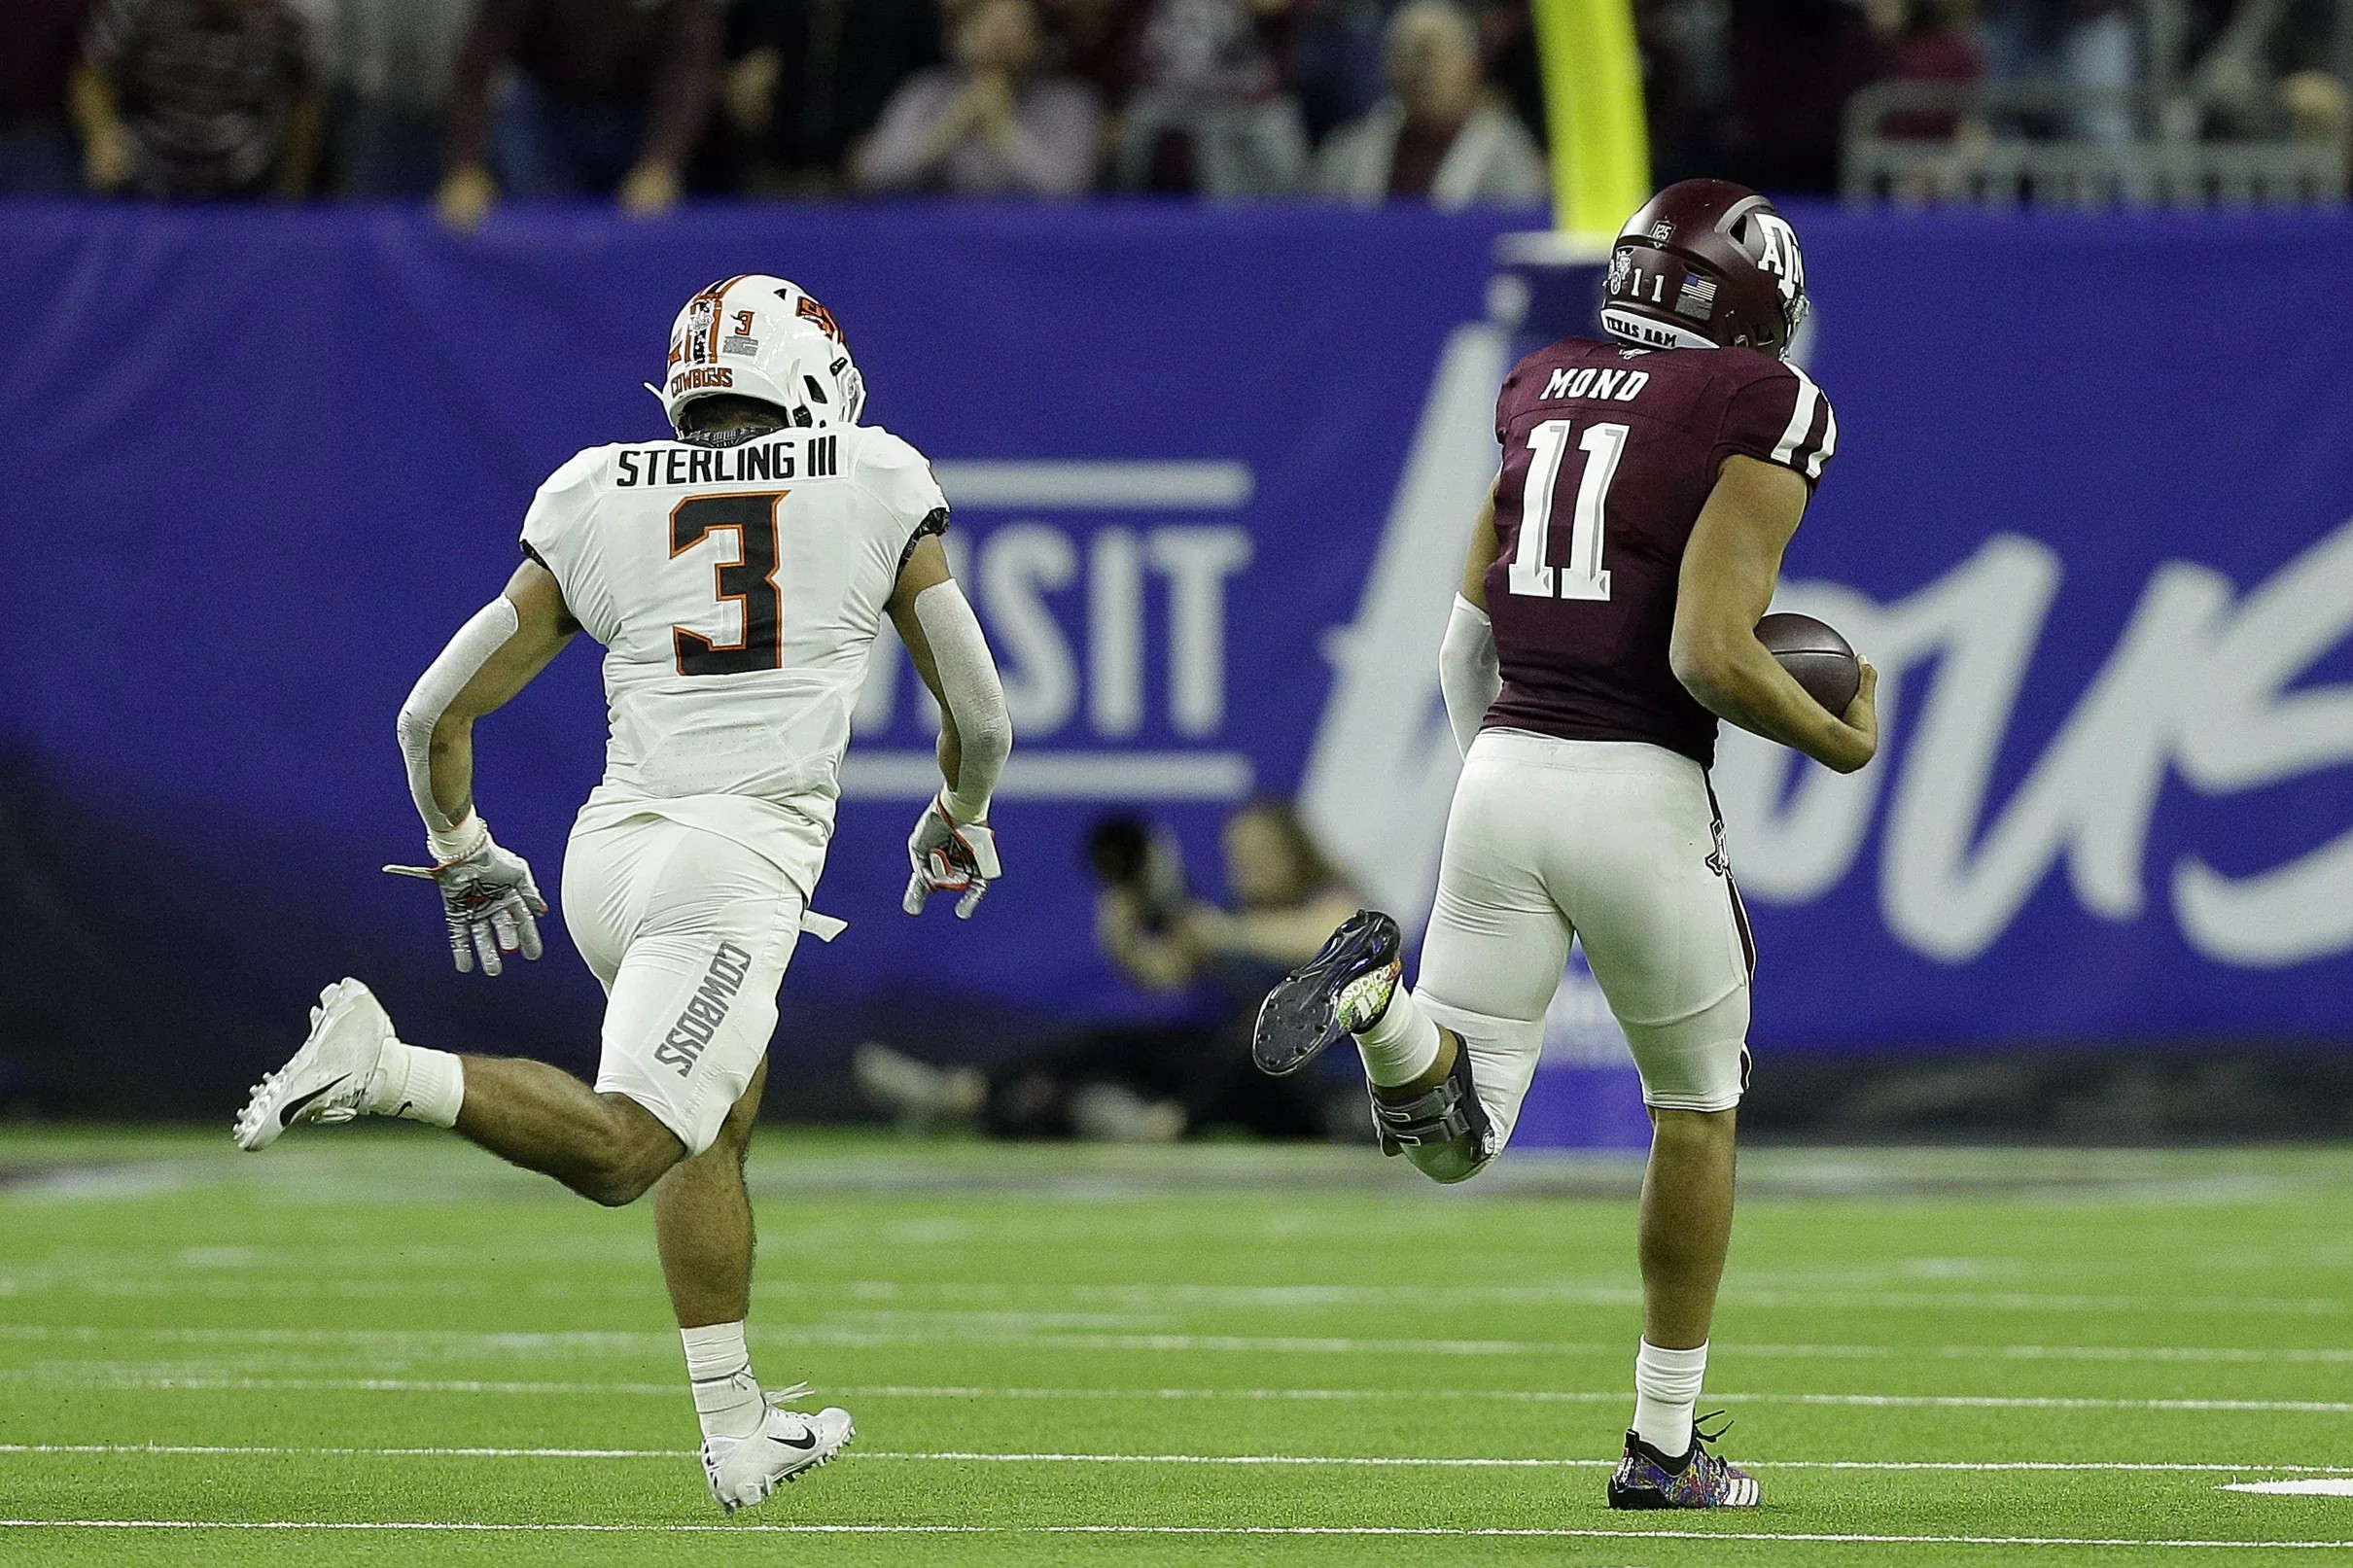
1705, 263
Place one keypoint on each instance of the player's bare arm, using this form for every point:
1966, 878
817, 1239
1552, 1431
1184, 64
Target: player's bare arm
1481, 554
1729, 571
953, 847
489, 899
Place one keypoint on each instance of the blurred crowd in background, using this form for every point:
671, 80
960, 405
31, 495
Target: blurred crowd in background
644, 101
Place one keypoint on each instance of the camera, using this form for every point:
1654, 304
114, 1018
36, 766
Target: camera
1130, 853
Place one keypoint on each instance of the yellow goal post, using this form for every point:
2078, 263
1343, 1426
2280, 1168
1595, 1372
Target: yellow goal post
1593, 111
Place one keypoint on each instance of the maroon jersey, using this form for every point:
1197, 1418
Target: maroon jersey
1608, 455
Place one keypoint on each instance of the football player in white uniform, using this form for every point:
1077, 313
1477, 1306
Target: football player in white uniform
737, 578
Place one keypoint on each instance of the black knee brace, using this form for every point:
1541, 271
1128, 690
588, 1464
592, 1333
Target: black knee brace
1448, 1111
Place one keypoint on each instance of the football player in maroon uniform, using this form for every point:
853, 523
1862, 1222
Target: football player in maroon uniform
1607, 623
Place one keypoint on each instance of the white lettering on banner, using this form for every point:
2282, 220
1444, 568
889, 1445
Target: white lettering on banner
1061, 775
1197, 561
1083, 484
1115, 634
2194, 687
2248, 731
1019, 565
1022, 563
1074, 654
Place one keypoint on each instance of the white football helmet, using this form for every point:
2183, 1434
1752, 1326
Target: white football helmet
757, 336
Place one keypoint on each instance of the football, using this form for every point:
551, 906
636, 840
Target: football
1823, 661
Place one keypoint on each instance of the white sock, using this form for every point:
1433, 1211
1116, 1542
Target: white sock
1666, 1385
727, 1396
1401, 1045
418, 1083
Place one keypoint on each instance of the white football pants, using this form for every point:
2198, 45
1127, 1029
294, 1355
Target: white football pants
689, 933
1617, 843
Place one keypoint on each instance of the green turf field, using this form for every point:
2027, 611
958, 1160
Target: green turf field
382, 1346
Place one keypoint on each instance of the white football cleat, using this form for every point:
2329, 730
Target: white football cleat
743, 1471
328, 1080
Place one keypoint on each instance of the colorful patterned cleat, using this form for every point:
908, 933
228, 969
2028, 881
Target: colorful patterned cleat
1343, 988
1649, 1479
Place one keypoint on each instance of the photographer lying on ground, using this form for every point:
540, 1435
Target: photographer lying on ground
1153, 1084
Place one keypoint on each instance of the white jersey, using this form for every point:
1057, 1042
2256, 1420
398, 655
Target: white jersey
737, 590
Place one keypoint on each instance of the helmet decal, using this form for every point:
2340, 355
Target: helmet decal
1698, 300
700, 325
1782, 257
811, 312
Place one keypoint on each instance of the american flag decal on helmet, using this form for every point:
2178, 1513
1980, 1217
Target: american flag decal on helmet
1698, 299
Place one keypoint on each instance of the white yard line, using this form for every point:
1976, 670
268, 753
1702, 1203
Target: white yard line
1818, 1538
1246, 1460
1753, 1293
1217, 776
2235, 1355
533, 1342
952, 1334
1535, 1396
358, 1385
2011, 1402
276, 1452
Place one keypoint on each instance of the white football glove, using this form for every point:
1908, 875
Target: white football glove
490, 901
950, 857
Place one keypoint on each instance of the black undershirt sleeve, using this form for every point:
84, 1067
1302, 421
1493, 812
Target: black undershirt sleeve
936, 523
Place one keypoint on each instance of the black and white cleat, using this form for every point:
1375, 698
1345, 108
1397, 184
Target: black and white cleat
1343, 988
744, 1471
329, 1078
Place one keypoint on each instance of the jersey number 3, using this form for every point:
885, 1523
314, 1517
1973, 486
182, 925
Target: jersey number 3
749, 581
1582, 576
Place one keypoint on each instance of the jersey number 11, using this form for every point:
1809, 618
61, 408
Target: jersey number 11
1582, 576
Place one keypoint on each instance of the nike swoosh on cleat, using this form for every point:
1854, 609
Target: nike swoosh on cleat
294, 1108
804, 1444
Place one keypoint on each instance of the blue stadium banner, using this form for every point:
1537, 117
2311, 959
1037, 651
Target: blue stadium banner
1212, 471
